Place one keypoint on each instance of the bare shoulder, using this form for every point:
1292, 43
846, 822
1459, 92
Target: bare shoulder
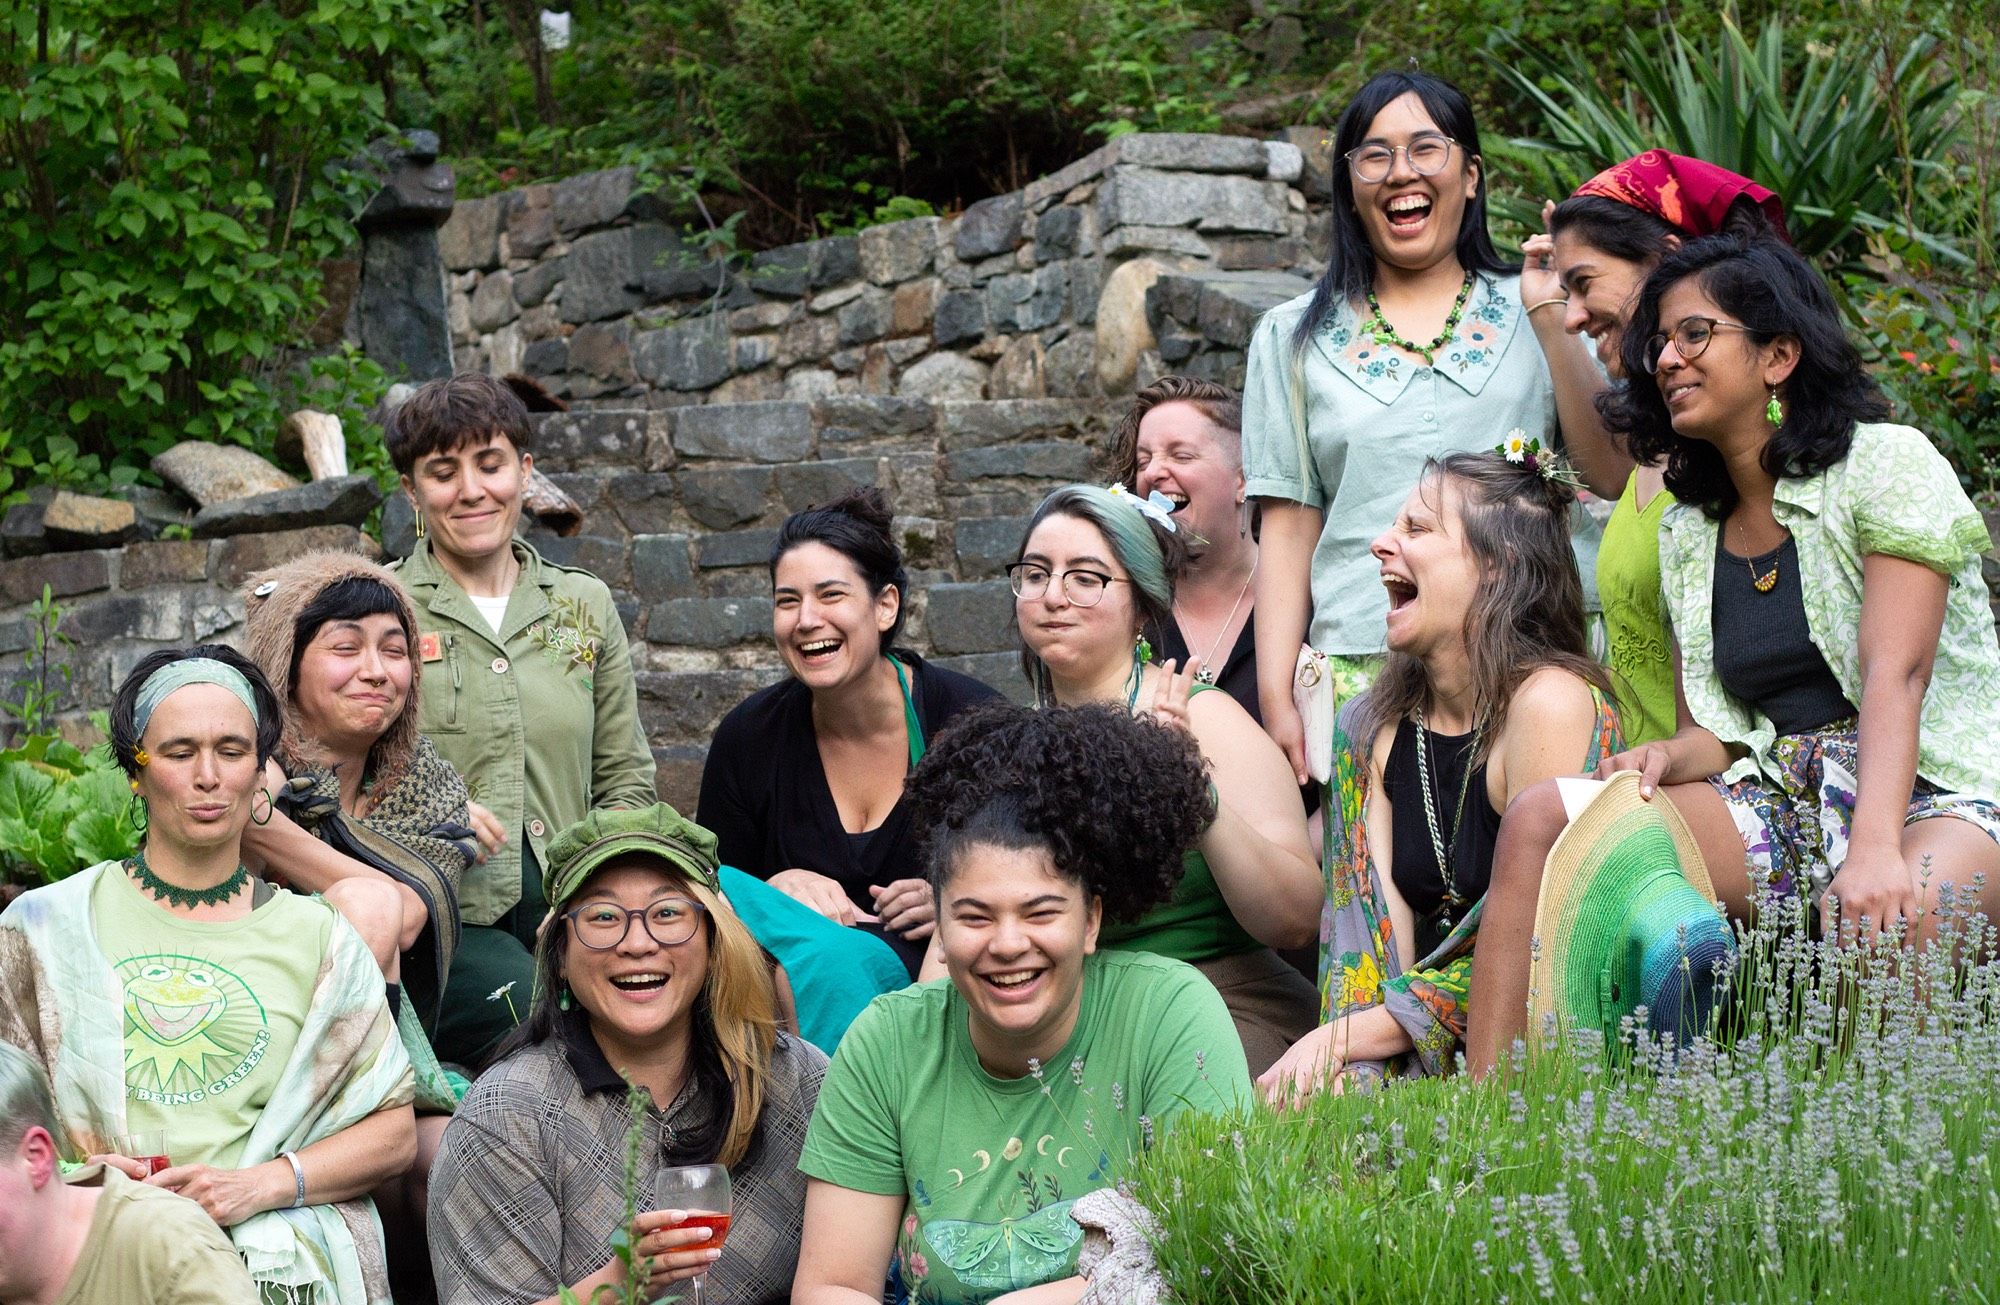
1552, 696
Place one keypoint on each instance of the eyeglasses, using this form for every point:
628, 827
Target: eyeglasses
1083, 588
669, 922
1427, 155
1690, 337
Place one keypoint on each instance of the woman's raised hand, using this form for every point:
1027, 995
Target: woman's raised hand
1171, 691
486, 828
1539, 281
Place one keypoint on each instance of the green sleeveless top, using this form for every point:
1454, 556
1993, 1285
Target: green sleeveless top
1635, 619
1195, 924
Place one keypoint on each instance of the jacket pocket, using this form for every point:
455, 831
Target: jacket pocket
451, 719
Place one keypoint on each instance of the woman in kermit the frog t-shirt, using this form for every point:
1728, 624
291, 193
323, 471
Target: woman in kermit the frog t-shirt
962, 1118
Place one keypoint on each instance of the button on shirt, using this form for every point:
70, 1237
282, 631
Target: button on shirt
1372, 414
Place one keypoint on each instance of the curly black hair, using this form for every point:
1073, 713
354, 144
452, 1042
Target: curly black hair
1769, 288
1115, 800
125, 702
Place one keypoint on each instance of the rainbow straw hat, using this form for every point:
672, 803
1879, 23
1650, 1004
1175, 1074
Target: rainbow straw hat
1627, 918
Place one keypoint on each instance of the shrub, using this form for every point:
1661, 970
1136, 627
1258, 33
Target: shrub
173, 178
1837, 1144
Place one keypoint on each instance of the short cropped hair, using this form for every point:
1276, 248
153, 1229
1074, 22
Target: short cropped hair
25, 1102
445, 415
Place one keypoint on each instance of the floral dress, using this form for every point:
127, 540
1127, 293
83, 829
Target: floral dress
1358, 965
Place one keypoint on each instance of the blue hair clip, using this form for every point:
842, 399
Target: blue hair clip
1155, 505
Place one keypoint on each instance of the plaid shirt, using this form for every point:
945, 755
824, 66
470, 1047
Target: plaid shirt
529, 1184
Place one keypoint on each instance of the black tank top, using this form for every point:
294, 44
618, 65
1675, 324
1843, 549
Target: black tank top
1438, 905
1764, 653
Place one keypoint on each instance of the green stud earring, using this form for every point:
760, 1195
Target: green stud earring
1774, 412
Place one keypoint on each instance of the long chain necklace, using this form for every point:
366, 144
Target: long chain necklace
1207, 672
174, 894
1768, 581
1439, 844
1378, 325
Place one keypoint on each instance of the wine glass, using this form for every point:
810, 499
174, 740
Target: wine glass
147, 1146
703, 1191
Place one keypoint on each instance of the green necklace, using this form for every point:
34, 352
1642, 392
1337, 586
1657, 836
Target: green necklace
186, 898
1383, 333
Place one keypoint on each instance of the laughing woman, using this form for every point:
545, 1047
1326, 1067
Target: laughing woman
1838, 673
1415, 344
1094, 572
963, 1118
804, 781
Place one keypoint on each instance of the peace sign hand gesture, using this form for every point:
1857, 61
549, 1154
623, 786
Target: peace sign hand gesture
1171, 692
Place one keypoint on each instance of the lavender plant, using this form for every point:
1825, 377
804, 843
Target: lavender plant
1834, 1139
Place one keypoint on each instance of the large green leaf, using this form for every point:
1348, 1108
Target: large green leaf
99, 836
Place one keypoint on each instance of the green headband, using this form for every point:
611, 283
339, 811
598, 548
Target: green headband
180, 674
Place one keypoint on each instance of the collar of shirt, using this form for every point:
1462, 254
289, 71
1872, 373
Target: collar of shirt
432, 586
1468, 360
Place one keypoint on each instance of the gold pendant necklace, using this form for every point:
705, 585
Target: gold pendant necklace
1768, 581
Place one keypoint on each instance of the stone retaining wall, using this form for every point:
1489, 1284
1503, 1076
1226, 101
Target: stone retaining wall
681, 508
1038, 293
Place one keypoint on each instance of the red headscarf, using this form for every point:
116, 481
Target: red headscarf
1683, 192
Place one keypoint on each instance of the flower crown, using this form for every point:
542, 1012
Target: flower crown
1155, 505
1518, 449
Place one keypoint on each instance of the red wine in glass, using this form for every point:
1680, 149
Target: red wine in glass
703, 1191
718, 1229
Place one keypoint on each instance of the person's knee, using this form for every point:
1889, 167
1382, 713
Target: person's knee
1533, 822
374, 908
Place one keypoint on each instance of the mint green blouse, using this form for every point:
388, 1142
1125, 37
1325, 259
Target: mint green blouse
1372, 415
1892, 494
1635, 618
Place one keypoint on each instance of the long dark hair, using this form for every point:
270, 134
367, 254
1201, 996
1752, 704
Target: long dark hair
1528, 612
1350, 260
1768, 287
858, 525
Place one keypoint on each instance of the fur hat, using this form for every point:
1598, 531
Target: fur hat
273, 601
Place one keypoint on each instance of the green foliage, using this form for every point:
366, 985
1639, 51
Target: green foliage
46, 675
172, 179
61, 810
810, 113
633, 1278
1838, 1144
1842, 136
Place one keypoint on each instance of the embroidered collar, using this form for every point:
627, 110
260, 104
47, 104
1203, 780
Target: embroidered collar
1486, 328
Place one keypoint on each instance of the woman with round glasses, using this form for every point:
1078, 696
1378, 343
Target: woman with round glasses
1838, 673
804, 780
646, 982
1094, 571
1415, 344
1602, 242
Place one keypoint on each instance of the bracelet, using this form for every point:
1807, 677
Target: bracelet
298, 1177
1545, 303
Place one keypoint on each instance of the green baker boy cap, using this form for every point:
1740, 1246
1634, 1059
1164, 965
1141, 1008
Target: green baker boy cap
582, 849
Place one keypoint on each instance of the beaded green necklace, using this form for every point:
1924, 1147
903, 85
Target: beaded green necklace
174, 894
1378, 326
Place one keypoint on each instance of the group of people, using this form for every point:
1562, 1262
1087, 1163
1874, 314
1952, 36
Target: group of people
409, 932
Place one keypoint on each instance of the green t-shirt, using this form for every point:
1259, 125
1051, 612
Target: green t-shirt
991, 1166
212, 1011
147, 1246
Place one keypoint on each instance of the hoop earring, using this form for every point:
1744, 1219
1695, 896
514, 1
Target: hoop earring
135, 811
270, 807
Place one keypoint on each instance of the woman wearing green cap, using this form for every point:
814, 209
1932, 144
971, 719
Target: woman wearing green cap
644, 977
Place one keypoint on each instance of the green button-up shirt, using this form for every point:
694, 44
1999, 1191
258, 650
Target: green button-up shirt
1892, 494
541, 719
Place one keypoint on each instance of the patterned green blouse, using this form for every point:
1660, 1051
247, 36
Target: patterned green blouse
1892, 494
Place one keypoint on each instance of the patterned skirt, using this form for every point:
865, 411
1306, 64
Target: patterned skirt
1796, 825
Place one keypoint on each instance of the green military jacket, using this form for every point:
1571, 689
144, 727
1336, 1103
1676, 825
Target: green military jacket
542, 719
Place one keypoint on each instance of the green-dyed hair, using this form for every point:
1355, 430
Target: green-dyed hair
25, 1102
1150, 554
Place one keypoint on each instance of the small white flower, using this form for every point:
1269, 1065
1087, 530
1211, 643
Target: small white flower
1516, 445
501, 991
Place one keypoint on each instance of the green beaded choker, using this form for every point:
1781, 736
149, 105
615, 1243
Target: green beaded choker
186, 898
1378, 326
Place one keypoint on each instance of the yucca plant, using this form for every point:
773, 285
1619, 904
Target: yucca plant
1843, 135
